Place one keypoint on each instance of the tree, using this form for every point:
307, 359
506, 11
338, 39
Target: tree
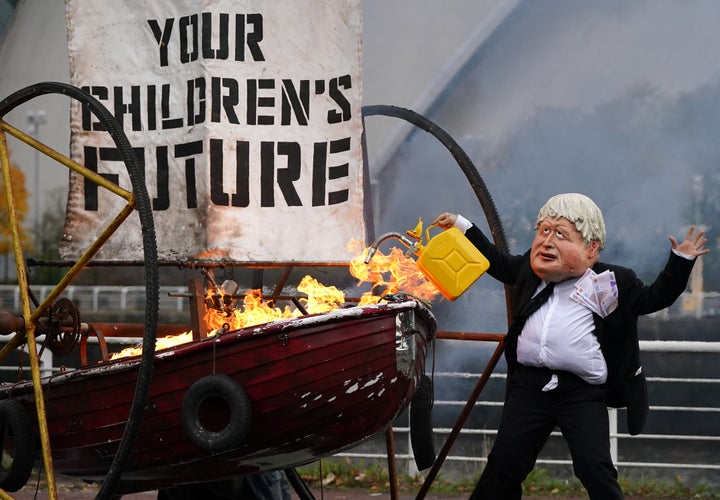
20, 195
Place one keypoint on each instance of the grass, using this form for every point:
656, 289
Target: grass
349, 474
541, 483
344, 473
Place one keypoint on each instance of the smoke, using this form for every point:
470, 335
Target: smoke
616, 100
628, 155
548, 106
637, 156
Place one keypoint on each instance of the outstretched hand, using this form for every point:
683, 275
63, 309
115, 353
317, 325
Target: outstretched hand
693, 244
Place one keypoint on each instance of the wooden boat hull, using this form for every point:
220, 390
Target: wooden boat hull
315, 385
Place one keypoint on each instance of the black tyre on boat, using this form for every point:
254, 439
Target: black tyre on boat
216, 413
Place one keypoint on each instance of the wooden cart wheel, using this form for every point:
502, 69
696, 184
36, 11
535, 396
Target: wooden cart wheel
136, 200
17, 445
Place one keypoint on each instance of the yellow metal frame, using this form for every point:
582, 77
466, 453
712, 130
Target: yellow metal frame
31, 317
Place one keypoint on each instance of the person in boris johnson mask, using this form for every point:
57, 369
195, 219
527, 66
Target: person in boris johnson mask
572, 347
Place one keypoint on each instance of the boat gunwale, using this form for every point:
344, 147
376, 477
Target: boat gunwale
9, 389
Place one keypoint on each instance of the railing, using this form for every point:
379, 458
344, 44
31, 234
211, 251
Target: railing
702, 468
99, 298
652, 452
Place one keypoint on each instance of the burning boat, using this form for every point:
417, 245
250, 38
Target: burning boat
266, 397
232, 400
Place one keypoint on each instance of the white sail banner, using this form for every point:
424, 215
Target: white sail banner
245, 115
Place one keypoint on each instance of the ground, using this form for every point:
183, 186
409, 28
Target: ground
69, 489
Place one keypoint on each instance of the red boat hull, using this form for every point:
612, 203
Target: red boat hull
316, 385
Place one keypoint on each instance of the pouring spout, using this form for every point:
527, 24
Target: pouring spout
374, 247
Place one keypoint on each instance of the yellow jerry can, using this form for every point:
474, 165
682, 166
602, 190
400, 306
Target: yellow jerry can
449, 260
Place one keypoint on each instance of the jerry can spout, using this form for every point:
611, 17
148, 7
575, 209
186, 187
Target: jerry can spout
405, 241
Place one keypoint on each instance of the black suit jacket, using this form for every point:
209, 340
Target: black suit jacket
617, 333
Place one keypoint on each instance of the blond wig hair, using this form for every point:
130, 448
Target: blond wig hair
578, 209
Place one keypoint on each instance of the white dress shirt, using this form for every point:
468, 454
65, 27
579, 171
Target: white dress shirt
560, 336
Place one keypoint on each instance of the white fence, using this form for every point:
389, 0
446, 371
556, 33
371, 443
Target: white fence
101, 298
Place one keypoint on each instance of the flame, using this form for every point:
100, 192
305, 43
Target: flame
320, 298
386, 274
160, 343
391, 273
254, 312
